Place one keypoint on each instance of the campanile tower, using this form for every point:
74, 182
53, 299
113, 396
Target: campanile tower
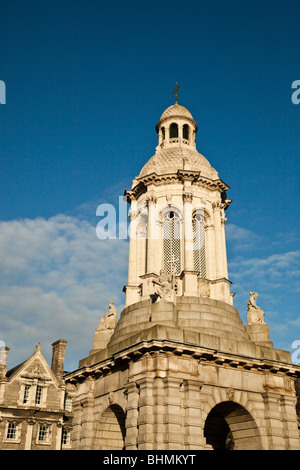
179, 370
177, 214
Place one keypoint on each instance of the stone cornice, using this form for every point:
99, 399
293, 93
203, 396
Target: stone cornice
203, 355
168, 178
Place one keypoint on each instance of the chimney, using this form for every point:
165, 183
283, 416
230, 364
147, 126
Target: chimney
58, 357
3, 359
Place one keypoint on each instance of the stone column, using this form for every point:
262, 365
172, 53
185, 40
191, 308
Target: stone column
193, 137
180, 133
173, 416
210, 252
141, 245
167, 134
58, 435
29, 432
289, 416
152, 234
193, 432
87, 403
274, 430
159, 400
218, 240
76, 424
225, 267
160, 136
132, 289
131, 416
188, 231
86, 438
190, 275
145, 417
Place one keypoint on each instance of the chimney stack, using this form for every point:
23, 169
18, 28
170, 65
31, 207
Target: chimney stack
58, 357
3, 359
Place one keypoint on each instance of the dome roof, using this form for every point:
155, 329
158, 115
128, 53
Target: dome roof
176, 110
169, 160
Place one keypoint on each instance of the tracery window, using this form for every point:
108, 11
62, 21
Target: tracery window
199, 244
171, 242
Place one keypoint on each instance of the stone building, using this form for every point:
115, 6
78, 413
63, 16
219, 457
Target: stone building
35, 403
180, 370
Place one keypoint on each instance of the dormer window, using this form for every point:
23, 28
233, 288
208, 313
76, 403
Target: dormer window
173, 131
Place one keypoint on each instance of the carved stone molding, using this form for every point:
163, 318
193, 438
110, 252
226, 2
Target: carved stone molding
187, 197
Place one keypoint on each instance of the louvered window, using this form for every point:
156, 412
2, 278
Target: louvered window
171, 242
199, 244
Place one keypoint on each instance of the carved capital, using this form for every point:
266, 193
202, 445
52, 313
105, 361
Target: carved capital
187, 197
217, 206
151, 200
133, 214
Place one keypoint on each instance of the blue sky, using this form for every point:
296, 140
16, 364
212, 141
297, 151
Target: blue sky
86, 82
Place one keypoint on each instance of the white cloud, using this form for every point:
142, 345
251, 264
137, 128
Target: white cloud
235, 233
57, 279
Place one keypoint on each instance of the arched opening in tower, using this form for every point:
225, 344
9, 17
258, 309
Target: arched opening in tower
229, 426
111, 429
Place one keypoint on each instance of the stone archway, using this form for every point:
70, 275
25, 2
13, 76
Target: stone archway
229, 426
110, 433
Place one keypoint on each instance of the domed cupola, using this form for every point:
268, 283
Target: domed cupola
176, 147
176, 127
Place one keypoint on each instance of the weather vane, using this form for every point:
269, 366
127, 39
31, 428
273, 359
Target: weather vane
175, 92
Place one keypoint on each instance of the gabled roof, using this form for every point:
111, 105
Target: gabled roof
27, 369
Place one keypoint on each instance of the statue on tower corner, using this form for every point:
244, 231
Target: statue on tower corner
255, 315
109, 320
164, 286
105, 329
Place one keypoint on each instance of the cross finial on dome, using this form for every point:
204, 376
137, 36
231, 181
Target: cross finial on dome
175, 92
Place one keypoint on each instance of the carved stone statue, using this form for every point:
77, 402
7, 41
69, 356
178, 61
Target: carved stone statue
106, 327
109, 321
164, 287
255, 315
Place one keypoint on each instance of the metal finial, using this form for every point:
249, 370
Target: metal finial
175, 92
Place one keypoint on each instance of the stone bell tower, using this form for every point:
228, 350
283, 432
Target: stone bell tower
179, 370
177, 214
